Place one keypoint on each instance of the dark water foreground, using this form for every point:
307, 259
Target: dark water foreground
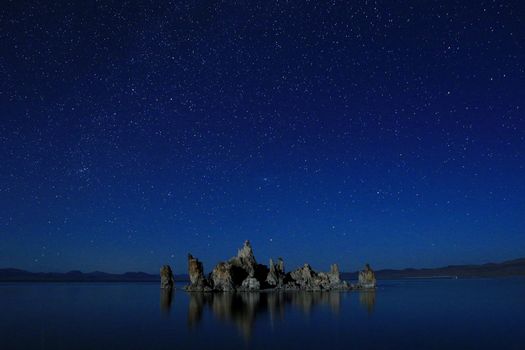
413, 314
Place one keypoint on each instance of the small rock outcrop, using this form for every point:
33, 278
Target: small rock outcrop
276, 275
221, 277
245, 259
332, 279
334, 275
367, 278
166, 277
302, 278
196, 273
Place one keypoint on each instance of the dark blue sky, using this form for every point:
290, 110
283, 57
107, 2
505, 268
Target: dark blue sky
351, 132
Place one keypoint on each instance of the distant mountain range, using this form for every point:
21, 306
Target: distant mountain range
514, 267
16, 275
508, 268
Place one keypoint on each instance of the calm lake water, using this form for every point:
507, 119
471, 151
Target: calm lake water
408, 314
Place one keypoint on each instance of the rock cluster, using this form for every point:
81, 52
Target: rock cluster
239, 273
305, 278
166, 277
367, 278
243, 273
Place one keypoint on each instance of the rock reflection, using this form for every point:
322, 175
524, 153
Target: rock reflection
307, 300
196, 307
368, 300
166, 297
242, 309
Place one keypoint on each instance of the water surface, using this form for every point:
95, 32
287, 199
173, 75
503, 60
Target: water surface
407, 314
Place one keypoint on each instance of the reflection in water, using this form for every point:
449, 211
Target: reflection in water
243, 308
195, 307
166, 296
367, 298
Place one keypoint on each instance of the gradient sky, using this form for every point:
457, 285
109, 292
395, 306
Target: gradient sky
135, 132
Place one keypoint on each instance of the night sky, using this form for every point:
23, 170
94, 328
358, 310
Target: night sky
134, 132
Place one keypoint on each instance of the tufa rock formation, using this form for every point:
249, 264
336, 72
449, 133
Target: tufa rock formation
222, 277
276, 275
245, 259
243, 273
302, 278
166, 277
198, 282
240, 272
305, 278
333, 275
367, 278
